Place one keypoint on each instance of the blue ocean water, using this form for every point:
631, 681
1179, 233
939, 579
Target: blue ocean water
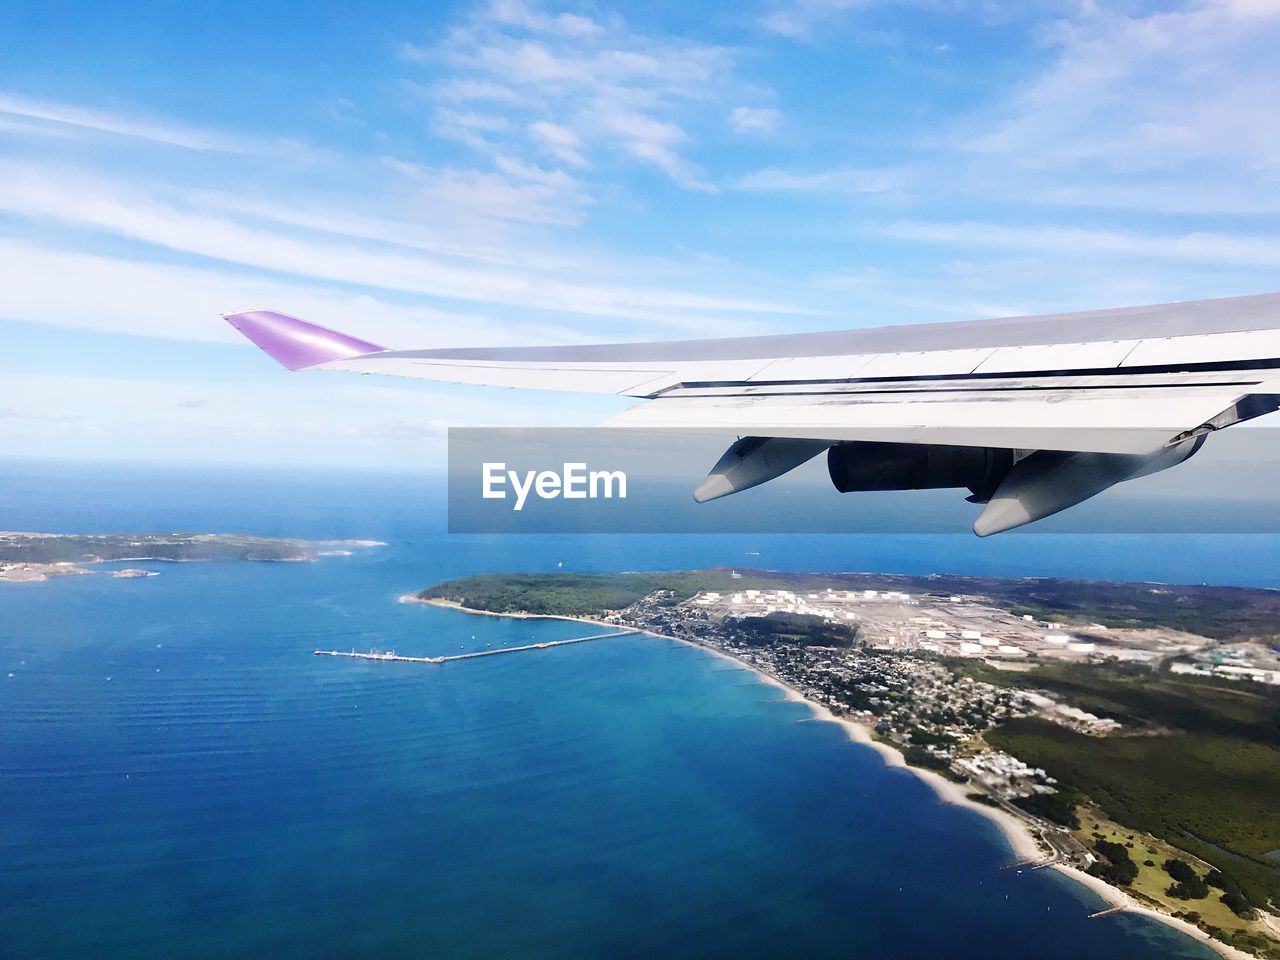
180, 777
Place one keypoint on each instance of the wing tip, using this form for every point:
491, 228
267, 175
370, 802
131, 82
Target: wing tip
297, 344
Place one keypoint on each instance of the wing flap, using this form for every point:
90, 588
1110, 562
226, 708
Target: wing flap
1096, 421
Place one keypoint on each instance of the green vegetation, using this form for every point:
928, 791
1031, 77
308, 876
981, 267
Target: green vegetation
983, 799
1115, 865
1237, 903
925, 738
799, 628
1152, 882
1217, 612
1255, 943
1212, 795
1139, 698
920, 757
1188, 885
1059, 807
584, 594
1204, 776
93, 548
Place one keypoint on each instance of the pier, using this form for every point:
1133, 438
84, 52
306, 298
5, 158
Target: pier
546, 644
1108, 911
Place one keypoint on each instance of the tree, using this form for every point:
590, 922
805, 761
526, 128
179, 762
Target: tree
1116, 866
1179, 869
1059, 807
1237, 903
1189, 886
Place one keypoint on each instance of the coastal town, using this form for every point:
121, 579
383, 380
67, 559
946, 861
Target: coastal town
895, 678
940, 676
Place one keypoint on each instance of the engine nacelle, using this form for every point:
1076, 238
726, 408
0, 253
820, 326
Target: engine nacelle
857, 466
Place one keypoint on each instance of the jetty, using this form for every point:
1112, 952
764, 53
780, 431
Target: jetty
1108, 911
545, 645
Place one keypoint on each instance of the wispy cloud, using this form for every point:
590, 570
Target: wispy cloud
1179, 95
1167, 112
512, 191
285, 420
801, 19
515, 13
88, 202
561, 142
576, 89
797, 18
761, 120
60, 116
844, 180
140, 298
1243, 249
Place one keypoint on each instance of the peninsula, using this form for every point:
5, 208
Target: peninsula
35, 557
1127, 734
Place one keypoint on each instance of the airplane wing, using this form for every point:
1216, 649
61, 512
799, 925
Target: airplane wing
1131, 383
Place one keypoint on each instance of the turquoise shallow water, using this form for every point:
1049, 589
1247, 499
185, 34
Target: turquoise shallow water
179, 776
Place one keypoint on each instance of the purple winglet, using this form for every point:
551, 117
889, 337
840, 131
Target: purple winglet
296, 344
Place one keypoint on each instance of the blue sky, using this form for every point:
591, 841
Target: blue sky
511, 172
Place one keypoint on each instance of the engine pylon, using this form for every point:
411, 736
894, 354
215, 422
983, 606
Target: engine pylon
752, 461
1049, 481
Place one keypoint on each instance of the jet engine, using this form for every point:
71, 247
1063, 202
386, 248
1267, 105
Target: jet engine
860, 466
1017, 486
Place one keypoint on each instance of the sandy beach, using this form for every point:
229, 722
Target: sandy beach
1017, 832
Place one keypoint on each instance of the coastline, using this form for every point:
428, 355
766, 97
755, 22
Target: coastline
1017, 833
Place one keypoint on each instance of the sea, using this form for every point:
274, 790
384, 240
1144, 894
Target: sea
181, 777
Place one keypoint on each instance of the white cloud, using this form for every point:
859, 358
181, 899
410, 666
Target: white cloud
797, 18
462, 90
579, 89
138, 298
64, 197
476, 130
1162, 92
61, 116
656, 142
846, 180
1261, 250
1167, 112
283, 418
514, 192
339, 216
762, 120
1251, 9
560, 142
518, 14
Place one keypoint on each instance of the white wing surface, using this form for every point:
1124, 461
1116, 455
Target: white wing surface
1124, 382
